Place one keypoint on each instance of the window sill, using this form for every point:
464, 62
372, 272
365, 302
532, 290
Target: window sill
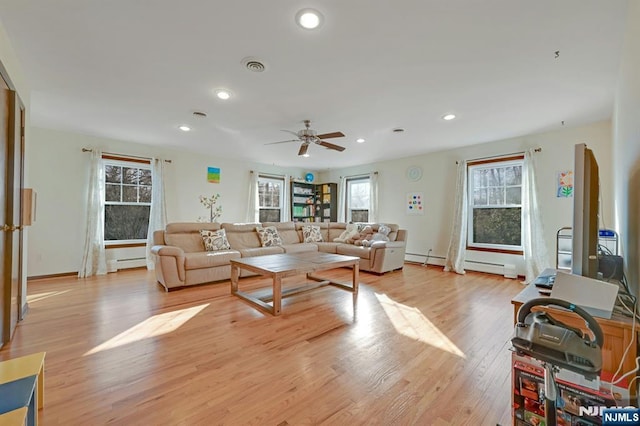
494, 250
123, 245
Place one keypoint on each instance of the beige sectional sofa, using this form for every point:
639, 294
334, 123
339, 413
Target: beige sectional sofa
181, 259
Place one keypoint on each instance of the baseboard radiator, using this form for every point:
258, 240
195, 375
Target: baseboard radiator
507, 270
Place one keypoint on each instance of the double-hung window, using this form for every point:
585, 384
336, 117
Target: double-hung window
127, 200
495, 205
270, 198
358, 199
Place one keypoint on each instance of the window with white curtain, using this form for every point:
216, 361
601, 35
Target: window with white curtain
358, 199
495, 205
270, 198
127, 200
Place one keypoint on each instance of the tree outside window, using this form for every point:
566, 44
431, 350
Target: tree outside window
495, 205
127, 201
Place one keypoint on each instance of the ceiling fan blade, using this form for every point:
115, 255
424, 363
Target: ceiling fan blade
303, 148
292, 140
331, 135
331, 146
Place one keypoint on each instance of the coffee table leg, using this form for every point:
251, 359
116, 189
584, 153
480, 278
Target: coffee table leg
356, 279
235, 273
277, 294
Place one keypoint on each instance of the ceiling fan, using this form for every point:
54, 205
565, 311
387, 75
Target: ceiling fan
308, 136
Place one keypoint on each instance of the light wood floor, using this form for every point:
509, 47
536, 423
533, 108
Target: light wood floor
423, 347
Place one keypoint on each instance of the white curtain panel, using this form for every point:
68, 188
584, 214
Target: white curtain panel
158, 213
536, 255
94, 261
373, 197
285, 214
253, 211
342, 198
458, 241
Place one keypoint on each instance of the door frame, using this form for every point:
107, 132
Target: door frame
14, 198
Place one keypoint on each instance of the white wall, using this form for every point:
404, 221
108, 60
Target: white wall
626, 148
438, 182
59, 174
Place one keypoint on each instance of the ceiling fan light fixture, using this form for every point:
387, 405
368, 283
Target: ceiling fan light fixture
309, 19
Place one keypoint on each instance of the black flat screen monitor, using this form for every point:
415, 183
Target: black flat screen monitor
586, 190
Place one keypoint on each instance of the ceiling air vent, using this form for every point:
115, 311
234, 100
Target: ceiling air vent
254, 65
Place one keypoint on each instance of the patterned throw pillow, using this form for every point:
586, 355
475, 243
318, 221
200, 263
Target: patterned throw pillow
269, 236
215, 240
311, 234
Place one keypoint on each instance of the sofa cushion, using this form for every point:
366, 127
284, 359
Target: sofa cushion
261, 251
311, 234
214, 240
269, 236
209, 259
299, 247
327, 247
242, 235
351, 250
187, 235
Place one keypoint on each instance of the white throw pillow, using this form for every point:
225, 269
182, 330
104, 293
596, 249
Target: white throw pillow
215, 240
269, 236
311, 234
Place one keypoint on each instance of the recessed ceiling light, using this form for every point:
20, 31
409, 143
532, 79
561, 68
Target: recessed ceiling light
223, 94
359, 140
448, 117
184, 128
309, 19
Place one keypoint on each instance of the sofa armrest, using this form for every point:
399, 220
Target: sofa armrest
169, 266
387, 244
387, 256
167, 251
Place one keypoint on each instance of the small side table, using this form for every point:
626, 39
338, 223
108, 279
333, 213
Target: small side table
19, 371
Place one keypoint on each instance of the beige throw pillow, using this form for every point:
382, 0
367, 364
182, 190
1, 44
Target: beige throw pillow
269, 236
215, 240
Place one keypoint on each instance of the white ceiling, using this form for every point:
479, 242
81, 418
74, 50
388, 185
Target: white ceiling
135, 70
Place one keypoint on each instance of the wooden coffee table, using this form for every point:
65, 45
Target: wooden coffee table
278, 266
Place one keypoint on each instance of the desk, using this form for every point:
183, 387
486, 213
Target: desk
618, 332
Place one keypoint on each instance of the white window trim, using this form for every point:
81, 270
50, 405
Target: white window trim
349, 180
274, 179
131, 164
470, 197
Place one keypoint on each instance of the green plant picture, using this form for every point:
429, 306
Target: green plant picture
565, 184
